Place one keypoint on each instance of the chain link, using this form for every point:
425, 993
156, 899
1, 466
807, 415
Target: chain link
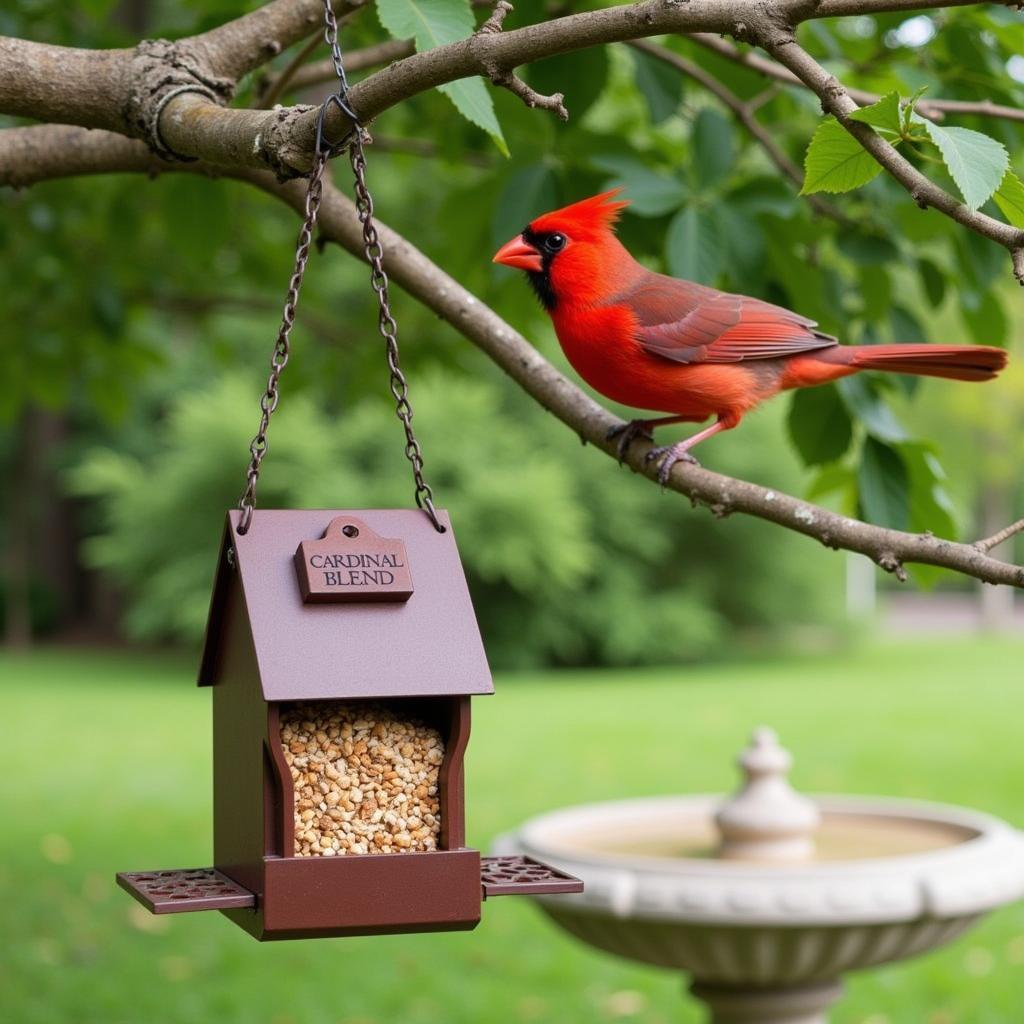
378, 278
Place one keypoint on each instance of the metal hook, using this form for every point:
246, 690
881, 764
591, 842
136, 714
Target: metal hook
333, 148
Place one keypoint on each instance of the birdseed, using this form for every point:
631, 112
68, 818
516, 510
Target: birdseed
365, 779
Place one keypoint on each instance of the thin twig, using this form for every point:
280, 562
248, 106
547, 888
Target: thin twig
1003, 535
320, 71
506, 78
835, 100
933, 109
275, 86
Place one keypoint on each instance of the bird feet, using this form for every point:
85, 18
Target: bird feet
627, 434
669, 455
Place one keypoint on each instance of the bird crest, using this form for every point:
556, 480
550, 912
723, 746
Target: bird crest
595, 215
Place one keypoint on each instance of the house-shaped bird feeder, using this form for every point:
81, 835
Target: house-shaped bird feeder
343, 652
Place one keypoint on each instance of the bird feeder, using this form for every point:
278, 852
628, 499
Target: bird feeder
365, 617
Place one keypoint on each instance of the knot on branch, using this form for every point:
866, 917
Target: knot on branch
281, 143
159, 71
890, 563
505, 78
1018, 265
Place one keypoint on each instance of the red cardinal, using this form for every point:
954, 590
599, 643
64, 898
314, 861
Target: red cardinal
655, 342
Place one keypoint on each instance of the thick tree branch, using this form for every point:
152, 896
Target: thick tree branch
45, 151
835, 100
169, 94
933, 109
414, 272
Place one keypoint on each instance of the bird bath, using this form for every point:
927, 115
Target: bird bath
767, 899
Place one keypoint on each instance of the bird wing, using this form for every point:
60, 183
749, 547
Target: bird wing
690, 323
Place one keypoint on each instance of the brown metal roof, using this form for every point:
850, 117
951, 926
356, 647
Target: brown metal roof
426, 646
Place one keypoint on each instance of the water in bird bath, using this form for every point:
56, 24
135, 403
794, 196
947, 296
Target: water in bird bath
840, 837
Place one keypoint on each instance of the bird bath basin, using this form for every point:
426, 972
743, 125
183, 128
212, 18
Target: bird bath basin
768, 898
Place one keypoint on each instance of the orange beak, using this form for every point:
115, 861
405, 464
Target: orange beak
519, 253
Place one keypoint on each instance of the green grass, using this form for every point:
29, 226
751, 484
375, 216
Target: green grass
106, 767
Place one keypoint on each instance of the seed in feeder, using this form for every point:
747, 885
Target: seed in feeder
365, 782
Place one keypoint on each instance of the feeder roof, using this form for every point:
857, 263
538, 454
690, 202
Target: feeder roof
428, 645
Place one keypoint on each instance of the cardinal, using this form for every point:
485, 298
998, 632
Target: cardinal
655, 342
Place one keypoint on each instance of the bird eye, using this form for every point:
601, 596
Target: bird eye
555, 242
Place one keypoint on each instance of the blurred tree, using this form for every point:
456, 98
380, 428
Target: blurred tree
566, 565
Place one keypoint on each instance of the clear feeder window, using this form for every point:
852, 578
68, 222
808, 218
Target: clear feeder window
365, 779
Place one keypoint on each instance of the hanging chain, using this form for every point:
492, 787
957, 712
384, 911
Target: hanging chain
374, 251
389, 331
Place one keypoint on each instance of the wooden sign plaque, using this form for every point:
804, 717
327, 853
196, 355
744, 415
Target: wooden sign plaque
352, 563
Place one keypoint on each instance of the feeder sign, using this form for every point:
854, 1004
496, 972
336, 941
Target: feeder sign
352, 563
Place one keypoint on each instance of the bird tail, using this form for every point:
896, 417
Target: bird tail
954, 362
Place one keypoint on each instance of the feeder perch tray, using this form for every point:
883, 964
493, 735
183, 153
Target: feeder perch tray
174, 892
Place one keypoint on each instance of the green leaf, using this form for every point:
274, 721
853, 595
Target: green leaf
875, 286
831, 478
933, 280
713, 149
527, 194
743, 239
836, 161
474, 103
864, 403
884, 486
865, 249
434, 23
976, 163
661, 86
930, 505
819, 425
651, 194
1009, 198
984, 316
884, 115
692, 246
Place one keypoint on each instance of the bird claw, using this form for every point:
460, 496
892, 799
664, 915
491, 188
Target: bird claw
669, 455
627, 433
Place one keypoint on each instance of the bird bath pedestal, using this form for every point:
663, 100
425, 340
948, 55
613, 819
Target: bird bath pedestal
767, 899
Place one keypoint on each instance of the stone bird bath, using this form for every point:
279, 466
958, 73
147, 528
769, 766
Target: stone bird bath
767, 899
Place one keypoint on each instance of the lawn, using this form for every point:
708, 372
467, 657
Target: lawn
107, 767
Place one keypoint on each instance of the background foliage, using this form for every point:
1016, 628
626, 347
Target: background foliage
144, 313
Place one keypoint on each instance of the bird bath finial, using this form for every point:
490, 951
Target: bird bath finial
767, 819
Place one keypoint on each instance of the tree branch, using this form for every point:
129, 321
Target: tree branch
744, 114
171, 93
835, 100
429, 284
933, 109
